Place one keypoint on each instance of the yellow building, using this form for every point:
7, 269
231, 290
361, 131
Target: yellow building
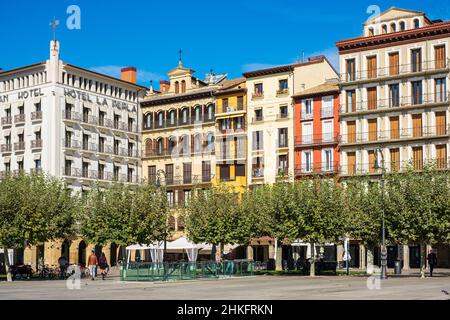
231, 135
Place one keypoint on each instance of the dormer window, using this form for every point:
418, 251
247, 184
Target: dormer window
402, 26
393, 27
177, 87
371, 32
384, 29
416, 23
183, 86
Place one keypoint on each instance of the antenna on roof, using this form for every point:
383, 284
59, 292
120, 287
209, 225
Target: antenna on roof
54, 25
180, 61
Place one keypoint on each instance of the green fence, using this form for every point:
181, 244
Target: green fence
166, 271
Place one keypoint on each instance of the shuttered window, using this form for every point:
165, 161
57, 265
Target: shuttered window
351, 131
441, 156
373, 132
417, 125
371, 67
439, 55
372, 162
416, 60
395, 127
393, 64
372, 98
351, 101
441, 121
395, 159
418, 158
351, 163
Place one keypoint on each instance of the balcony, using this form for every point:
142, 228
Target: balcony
283, 116
307, 116
105, 176
317, 140
36, 144
188, 180
258, 95
90, 120
282, 92
6, 121
71, 116
105, 123
19, 146
36, 116
102, 148
388, 136
319, 168
390, 105
397, 71
327, 113
19, 119
71, 172
36, 170
71, 144
6, 148
257, 173
131, 153
89, 147
257, 120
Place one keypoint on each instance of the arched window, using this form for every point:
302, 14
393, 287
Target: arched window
184, 142
210, 141
183, 86
177, 87
149, 147
210, 112
172, 118
416, 23
197, 143
148, 121
384, 29
160, 119
184, 115
371, 32
402, 26
160, 146
172, 144
198, 114
393, 27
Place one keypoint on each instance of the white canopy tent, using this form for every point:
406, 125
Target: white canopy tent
190, 247
156, 250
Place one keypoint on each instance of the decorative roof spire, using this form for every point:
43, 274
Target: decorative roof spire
180, 61
54, 25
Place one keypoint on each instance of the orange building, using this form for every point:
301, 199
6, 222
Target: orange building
316, 127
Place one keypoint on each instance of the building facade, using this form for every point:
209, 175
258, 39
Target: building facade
394, 97
270, 116
71, 123
317, 131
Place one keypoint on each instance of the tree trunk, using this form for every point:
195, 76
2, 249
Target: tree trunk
279, 259
423, 254
7, 265
369, 268
312, 270
213, 253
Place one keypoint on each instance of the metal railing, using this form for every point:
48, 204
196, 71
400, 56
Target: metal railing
89, 146
36, 144
6, 148
19, 118
394, 134
188, 180
307, 116
166, 271
318, 139
19, 146
395, 70
37, 115
257, 173
317, 168
404, 101
89, 119
71, 172
71, 115
6, 121
71, 144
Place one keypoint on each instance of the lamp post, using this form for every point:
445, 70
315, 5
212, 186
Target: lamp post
158, 185
383, 275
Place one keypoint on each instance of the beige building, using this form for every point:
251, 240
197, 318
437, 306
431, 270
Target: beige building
270, 116
394, 99
178, 136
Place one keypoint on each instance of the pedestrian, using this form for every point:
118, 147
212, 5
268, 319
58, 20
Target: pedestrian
92, 263
62, 261
432, 261
103, 264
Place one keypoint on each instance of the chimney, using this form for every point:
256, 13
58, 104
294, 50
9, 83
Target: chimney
129, 74
164, 86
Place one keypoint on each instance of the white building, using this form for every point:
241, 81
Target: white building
70, 122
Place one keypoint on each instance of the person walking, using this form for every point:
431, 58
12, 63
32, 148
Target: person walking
432, 261
92, 263
103, 264
62, 261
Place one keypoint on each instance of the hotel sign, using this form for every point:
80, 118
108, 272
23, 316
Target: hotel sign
86, 97
23, 95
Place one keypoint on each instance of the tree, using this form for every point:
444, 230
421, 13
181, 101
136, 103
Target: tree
34, 209
124, 215
212, 216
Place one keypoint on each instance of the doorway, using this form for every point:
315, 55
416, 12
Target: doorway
113, 255
414, 256
65, 247
82, 253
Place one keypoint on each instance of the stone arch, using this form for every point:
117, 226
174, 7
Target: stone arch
82, 252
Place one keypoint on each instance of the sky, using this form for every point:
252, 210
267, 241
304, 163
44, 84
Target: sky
232, 36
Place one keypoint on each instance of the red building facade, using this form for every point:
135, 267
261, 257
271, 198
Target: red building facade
317, 131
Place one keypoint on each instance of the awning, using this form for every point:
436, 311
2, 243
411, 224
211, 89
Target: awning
70, 158
7, 132
103, 108
70, 129
19, 131
37, 156
86, 160
117, 163
131, 166
19, 158
6, 159
87, 132
19, 104
87, 104
102, 162
37, 100
37, 129
70, 100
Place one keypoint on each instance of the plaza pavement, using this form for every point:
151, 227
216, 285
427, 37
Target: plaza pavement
405, 287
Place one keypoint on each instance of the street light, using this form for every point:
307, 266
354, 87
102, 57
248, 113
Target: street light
383, 231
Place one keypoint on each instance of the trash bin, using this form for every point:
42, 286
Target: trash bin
398, 267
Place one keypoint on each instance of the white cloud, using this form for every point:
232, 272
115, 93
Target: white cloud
143, 76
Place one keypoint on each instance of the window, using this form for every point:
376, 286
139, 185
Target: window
198, 114
441, 156
240, 170
393, 27
258, 167
327, 131
372, 168
327, 160
184, 115
161, 119
416, 92
160, 146
240, 103
68, 167
441, 123
283, 167
172, 118
259, 89
394, 123
102, 115
384, 29
395, 159
417, 158
307, 133
351, 163
85, 169
225, 105
351, 101
282, 85
283, 138
307, 161
169, 174
440, 94
394, 64
417, 125
258, 143
238, 123
116, 121
177, 87
184, 142
198, 143
373, 130
206, 171
372, 98
416, 60
151, 174
440, 57
351, 131
170, 200
85, 142
116, 171
258, 115
183, 86
225, 173
351, 70
371, 32
307, 109
187, 173
225, 125
130, 124
416, 23
394, 95
402, 26
371, 67
147, 119
85, 114
37, 164
210, 112
283, 112
20, 166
